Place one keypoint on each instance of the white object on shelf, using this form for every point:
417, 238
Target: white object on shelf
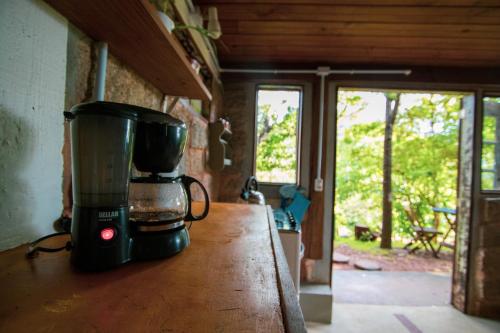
167, 21
196, 65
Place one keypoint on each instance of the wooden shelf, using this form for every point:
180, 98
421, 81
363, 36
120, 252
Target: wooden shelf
136, 35
201, 42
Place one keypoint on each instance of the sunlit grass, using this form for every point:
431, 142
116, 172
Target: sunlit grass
370, 247
374, 247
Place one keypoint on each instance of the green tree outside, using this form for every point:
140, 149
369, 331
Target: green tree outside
276, 155
425, 157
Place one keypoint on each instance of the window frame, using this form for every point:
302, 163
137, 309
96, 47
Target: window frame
280, 87
488, 94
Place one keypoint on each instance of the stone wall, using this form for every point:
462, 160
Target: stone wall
239, 101
195, 161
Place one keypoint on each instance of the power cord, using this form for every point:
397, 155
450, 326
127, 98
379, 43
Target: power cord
33, 249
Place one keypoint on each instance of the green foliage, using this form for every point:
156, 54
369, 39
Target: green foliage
366, 236
276, 145
425, 160
488, 153
425, 154
359, 175
490, 137
358, 167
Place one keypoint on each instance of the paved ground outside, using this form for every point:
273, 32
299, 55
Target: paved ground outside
391, 288
359, 318
397, 302
410, 295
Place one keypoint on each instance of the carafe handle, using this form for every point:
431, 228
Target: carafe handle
68, 116
187, 181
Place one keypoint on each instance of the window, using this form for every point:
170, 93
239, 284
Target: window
277, 133
490, 154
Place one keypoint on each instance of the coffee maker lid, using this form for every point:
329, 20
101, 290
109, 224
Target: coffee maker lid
106, 109
133, 112
151, 116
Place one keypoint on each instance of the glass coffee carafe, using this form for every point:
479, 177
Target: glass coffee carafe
162, 203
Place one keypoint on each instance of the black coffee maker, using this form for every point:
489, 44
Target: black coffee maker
108, 229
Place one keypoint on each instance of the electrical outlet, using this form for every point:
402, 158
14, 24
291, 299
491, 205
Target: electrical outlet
318, 185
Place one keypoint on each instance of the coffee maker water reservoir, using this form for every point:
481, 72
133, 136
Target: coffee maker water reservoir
102, 141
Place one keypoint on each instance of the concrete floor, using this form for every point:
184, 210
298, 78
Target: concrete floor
406, 302
391, 288
358, 318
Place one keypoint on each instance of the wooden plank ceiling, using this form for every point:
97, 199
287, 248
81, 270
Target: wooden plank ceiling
370, 32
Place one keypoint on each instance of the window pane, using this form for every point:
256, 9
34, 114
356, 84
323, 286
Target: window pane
277, 124
490, 155
487, 180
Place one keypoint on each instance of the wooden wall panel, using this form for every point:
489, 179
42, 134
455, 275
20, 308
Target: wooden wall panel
360, 29
332, 54
312, 227
428, 3
371, 42
331, 13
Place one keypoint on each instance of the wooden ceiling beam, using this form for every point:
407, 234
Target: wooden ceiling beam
412, 3
465, 44
386, 14
295, 52
274, 60
288, 28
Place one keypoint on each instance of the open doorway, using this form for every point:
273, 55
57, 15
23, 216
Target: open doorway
395, 196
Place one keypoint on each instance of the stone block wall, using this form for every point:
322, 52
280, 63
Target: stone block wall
239, 100
195, 161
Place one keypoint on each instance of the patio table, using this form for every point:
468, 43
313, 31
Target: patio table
452, 225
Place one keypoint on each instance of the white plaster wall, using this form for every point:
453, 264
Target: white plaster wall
33, 41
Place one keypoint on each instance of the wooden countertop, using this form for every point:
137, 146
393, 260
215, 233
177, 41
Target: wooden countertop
230, 279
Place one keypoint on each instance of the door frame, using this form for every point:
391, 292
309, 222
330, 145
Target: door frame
475, 300
477, 92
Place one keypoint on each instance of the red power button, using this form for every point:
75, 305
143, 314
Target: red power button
107, 234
